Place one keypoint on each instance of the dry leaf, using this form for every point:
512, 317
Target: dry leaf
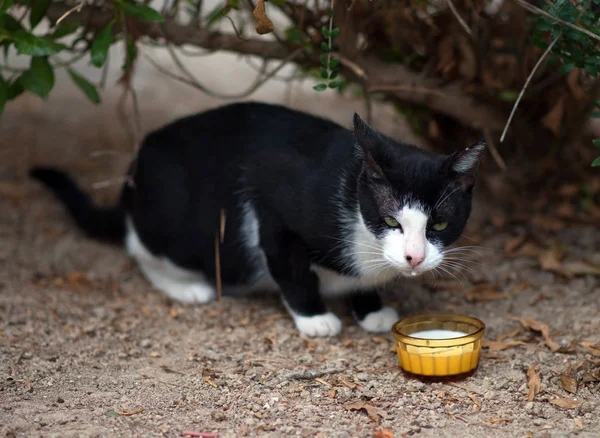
263, 23
155, 354
565, 403
483, 292
500, 345
374, 413
573, 80
534, 382
513, 243
569, 190
532, 324
578, 423
379, 340
581, 267
476, 401
592, 347
548, 223
553, 119
322, 382
500, 420
174, 313
12, 191
129, 414
568, 383
550, 260
510, 334
332, 393
210, 382
383, 433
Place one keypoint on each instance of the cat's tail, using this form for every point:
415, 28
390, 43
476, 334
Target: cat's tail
97, 222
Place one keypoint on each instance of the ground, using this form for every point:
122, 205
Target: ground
88, 348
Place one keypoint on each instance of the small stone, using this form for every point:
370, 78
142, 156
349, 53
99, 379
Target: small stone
60, 400
219, 416
529, 406
146, 343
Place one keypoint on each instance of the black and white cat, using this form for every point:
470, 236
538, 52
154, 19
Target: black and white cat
312, 210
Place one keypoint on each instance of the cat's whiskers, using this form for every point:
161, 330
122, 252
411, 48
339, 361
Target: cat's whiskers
449, 273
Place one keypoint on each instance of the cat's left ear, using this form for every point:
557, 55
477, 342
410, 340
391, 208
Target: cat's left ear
464, 165
368, 140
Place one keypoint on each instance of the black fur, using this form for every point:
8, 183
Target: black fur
307, 178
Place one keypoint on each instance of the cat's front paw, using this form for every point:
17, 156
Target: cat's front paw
380, 320
323, 325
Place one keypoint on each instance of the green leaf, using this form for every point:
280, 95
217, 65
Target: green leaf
38, 11
278, 2
293, 34
325, 48
324, 60
216, 14
508, 95
88, 88
65, 28
4, 35
324, 72
330, 12
100, 46
566, 68
335, 32
9, 23
141, 12
595, 115
334, 63
29, 44
596, 162
4, 5
39, 79
596, 143
334, 74
320, 87
335, 84
325, 32
3, 94
15, 89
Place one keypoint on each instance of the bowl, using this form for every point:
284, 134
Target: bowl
438, 344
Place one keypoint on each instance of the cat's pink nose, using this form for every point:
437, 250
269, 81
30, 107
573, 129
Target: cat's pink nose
414, 260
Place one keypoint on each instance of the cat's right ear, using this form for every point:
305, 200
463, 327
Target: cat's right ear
367, 139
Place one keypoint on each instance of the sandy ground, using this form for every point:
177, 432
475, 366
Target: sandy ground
87, 348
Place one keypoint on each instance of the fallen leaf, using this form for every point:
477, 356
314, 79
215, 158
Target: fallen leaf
532, 324
568, 383
210, 382
383, 433
534, 382
565, 403
548, 223
495, 356
529, 249
510, 334
130, 413
573, 80
581, 267
374, 413
552, 120
322, 382
443, 285
332, 393
379, 340
500, 345
263, 23
568, 190
513, 243
483, 292
12, 191
550, 260
174, 313
155, 354
592, 347
578, 423
476, 401
500, 420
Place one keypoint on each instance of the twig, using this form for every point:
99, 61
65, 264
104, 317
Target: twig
537, 65
356, 69
407, 88
493, 150
311, 375
218, 269
223, 220
536, 10
460, 19
70, 11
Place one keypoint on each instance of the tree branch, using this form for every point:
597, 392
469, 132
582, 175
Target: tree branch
374, 74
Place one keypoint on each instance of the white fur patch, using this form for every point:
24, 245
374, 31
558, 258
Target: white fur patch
379, 260
179, 284
318, 326
380, 321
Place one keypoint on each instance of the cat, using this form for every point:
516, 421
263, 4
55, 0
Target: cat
311, 209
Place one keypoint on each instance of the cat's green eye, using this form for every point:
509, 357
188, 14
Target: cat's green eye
441, 226
391, 222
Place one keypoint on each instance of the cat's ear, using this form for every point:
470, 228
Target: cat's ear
464, 165
367, 139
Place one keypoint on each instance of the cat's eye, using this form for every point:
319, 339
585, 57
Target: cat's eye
441, 226
391, 222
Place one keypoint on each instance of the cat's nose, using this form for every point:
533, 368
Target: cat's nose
414, 260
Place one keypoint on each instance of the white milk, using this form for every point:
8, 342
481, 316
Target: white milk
438, 334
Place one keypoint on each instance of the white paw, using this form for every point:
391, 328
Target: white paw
318, 326
380, 321
191, 293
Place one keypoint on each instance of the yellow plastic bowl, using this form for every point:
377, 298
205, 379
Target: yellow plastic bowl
431, 356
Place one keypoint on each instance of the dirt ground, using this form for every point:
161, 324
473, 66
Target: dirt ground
88, 349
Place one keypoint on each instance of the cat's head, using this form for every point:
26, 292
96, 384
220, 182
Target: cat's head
413, 203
